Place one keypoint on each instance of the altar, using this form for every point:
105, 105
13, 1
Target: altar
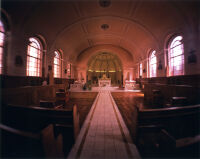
104, 81
130, 85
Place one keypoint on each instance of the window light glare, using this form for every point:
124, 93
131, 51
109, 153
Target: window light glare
176, 57
34, 58
57, 65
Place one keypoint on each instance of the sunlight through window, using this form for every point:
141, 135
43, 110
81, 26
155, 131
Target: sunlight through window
152, 64
34, 58
57, 65
176, 57
2, 36
68, 70
141, 69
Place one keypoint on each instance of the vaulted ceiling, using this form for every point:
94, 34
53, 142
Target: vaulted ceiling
76, 25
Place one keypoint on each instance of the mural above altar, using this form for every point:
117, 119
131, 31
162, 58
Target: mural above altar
104, 81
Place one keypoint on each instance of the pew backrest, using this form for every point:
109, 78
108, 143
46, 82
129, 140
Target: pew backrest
168, 112
179, 121
35, 118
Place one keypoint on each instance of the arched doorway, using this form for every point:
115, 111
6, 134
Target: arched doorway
104, 63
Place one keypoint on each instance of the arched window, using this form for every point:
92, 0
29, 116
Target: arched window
34, 58
2, 38
152, 64
176, 57
57, 65
140, 70
69, 70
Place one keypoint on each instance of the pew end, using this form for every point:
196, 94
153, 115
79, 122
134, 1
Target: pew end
76, 121
35, 119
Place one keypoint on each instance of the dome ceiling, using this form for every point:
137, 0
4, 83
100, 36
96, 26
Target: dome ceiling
104, 62
74, 26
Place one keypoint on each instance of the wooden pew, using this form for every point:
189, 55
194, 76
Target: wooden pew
31, 95
167, 92
34, 118
62, 96
166, 130
23, 144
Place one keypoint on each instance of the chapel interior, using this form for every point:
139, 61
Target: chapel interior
97, 79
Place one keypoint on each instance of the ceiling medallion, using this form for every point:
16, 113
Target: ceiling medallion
104, 3
104, 26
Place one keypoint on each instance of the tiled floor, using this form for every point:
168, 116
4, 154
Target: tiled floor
104, 134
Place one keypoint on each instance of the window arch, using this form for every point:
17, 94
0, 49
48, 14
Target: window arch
57, 65
152, 64
176, 57
34, 58
2, 41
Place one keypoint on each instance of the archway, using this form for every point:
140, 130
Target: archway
105, 63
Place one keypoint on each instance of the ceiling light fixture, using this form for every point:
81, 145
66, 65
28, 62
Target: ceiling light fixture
104, 3
104, 26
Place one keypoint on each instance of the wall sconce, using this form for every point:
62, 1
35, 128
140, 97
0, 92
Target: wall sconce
65, 71
192, 58
160, 65
144, 70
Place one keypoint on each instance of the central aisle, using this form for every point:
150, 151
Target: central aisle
104, 134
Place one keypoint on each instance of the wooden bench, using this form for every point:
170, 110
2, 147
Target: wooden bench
167, 129
23, 144
168, 92
35, 118
48, 103
62, 97
179, 101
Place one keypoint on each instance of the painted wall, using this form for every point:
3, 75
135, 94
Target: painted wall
125, 57
190, 42
132, 44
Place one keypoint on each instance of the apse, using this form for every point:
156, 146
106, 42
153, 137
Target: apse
104, 63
